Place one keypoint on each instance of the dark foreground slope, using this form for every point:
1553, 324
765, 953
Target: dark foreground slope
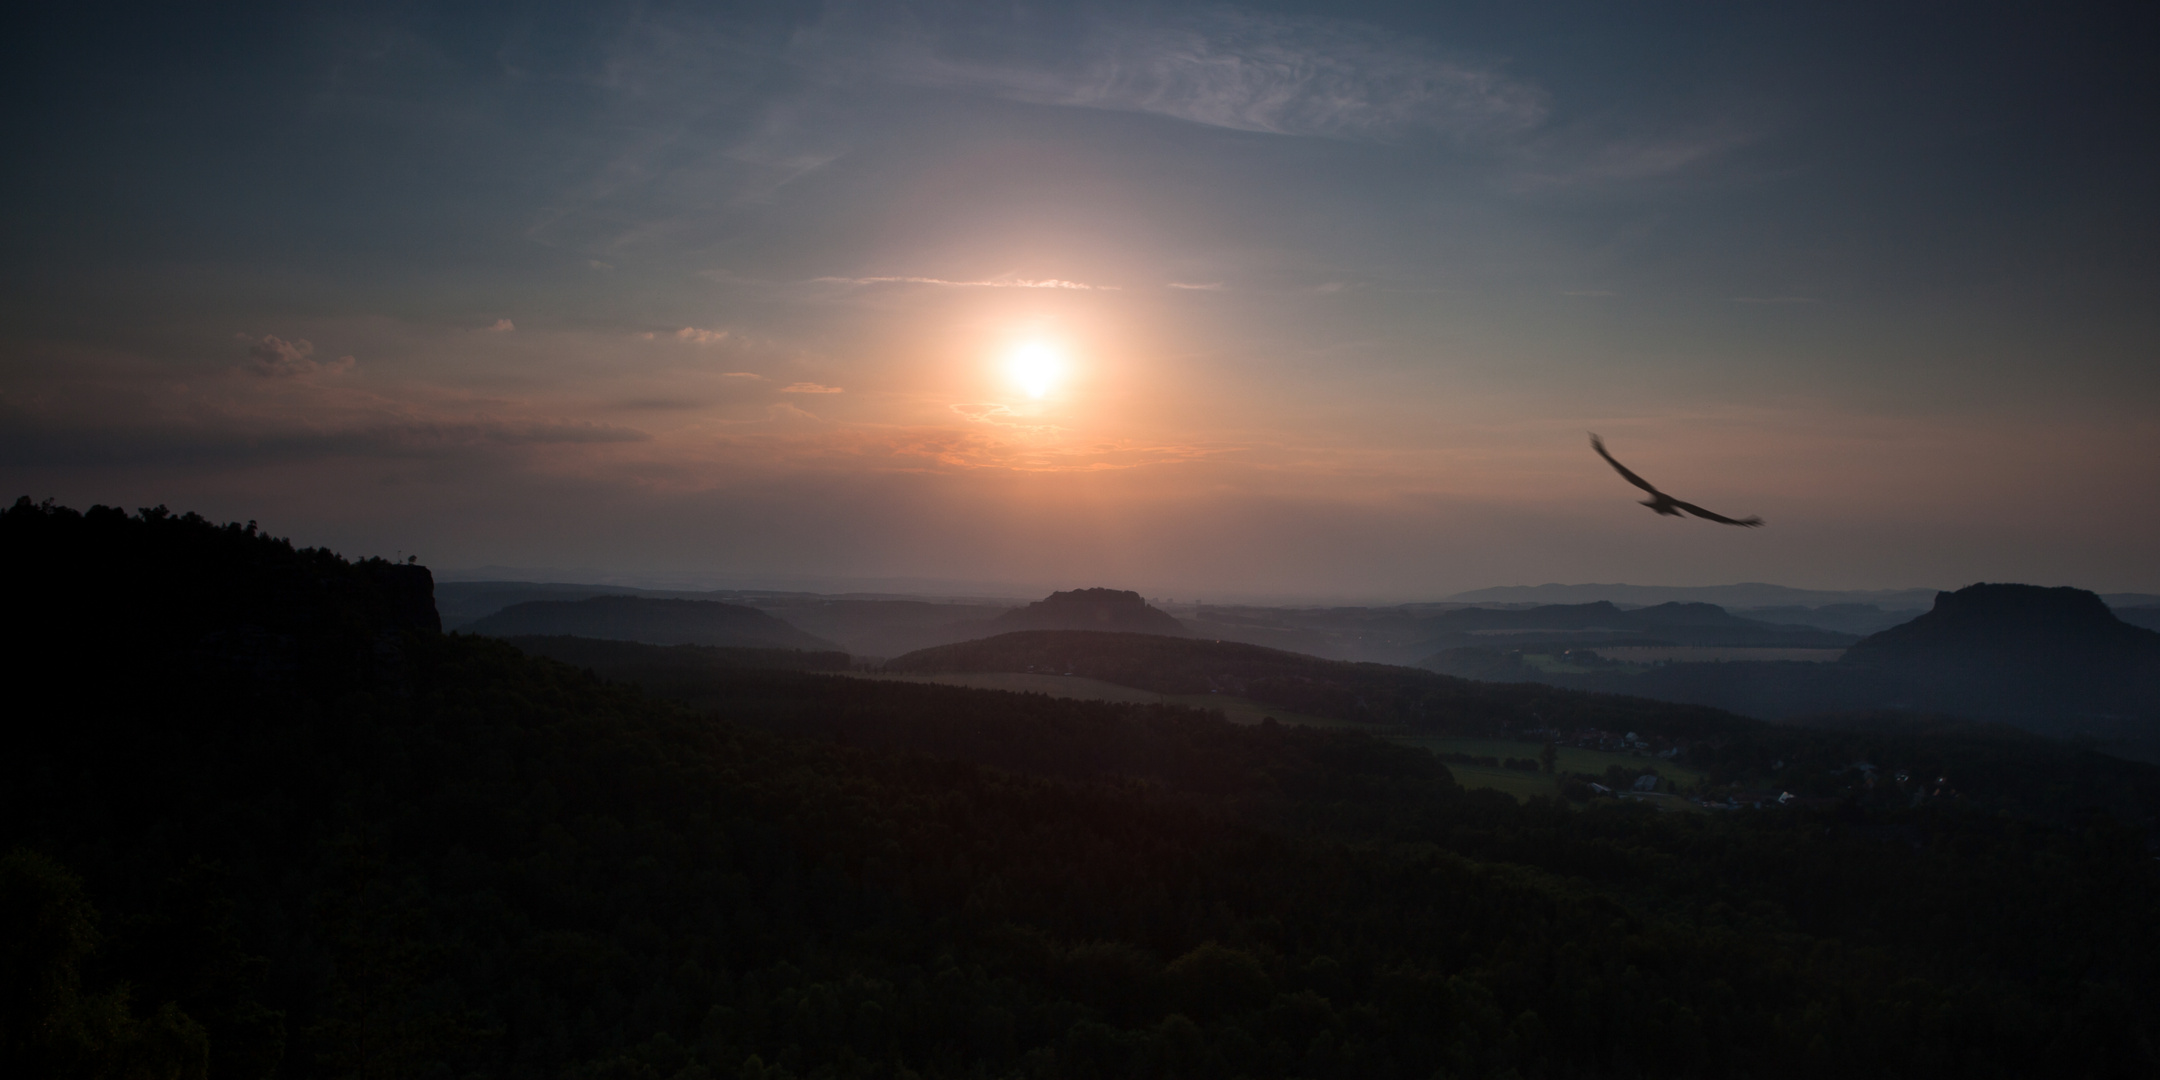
433, 856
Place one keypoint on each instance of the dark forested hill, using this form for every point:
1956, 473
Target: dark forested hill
654, 622
289, 829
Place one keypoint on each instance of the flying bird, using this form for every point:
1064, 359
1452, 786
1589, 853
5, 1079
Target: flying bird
1663, 503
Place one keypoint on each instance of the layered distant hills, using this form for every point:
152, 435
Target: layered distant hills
654, 622
2050, 659
2054, 660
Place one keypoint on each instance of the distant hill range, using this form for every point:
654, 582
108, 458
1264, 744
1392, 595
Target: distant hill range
863, 625
2147, 617
2056, 660
1664, 624
654, 622
1751, 594
1091, 609
1859, 611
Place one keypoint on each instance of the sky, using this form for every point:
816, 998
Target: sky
1265, 301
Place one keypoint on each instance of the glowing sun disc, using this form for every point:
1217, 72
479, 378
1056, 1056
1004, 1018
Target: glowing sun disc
1037, 367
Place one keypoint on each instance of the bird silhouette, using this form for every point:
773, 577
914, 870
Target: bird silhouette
1663, 503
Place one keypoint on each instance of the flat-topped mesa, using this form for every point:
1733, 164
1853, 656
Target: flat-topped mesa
2017, 651
1091, 609
1989, 625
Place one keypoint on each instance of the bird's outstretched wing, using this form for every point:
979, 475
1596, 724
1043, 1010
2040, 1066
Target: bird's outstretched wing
1746, 523
1598, 445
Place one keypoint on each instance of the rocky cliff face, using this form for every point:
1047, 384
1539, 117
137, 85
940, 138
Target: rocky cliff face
1091, 609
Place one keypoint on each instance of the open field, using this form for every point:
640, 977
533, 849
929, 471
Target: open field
1061, 686
1700, 654
1558, 665
1572, 759
1242, 711
1524, 786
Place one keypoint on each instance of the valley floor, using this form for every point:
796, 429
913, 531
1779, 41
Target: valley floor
1522, 785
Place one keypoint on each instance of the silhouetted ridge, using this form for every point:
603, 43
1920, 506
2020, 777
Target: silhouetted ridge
181, 595
1092, 609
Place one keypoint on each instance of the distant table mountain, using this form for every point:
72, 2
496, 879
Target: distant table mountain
1091, 609
2016, 650
654, 622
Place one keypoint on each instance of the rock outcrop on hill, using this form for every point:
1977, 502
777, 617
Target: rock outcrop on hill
2015, 651
1091, 609
654, 622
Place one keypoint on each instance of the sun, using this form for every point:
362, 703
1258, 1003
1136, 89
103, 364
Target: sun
1036, 366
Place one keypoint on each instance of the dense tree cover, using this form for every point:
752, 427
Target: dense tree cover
442, 857
1379, 694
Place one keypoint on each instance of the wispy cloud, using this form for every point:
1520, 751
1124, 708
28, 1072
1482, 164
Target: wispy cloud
273, 357
1592, 155
987, 283
701, 337
502, 326
1220, 67
1205, 286
1773, 300
809, 388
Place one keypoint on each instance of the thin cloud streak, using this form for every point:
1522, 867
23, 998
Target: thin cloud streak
1220, 67
989, 283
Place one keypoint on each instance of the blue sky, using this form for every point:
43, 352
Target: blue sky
1333, 291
